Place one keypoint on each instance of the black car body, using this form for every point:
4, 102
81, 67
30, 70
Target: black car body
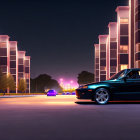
124, 85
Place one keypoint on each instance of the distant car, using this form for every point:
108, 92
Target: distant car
51, 93
124, 85
73, 93
68, 93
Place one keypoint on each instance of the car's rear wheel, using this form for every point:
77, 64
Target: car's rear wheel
101, 96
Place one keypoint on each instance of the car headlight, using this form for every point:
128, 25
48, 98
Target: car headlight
92, 86
85, 86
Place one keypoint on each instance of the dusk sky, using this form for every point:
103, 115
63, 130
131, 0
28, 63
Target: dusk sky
58, 35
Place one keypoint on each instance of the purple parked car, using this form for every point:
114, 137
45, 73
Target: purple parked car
51, 93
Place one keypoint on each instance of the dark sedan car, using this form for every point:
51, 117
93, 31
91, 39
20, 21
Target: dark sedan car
124, 85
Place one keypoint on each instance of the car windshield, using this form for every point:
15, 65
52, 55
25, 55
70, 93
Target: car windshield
51, 91
118, 75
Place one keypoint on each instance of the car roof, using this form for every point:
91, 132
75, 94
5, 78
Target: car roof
134, 69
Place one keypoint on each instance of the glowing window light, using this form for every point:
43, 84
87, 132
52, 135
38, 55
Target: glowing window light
103, 68
124, 20
124, 49
123, 67
71, 82
138, 47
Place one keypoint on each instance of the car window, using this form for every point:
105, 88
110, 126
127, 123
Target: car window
118, 75
133, 75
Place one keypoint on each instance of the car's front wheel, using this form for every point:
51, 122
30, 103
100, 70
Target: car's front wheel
101, 96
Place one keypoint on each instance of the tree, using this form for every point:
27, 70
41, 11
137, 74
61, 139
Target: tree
22, 85
6, 82
3, 82
11, 83
85, 77
43, 81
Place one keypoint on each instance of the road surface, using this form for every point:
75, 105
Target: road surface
66, 118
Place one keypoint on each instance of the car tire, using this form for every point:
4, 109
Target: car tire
102, 96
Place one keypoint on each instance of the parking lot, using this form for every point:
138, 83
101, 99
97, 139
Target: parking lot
66, 118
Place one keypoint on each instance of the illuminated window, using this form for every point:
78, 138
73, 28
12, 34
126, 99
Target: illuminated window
124, 21
123, 49
102, 68
113, 39
27, 76
3, 45
138, 48
97, 53
138, 64
122, 67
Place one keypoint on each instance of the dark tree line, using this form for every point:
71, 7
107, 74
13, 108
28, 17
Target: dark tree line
7, 83
42, 82
85, 77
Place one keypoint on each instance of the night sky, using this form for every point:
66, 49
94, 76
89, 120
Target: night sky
58, 35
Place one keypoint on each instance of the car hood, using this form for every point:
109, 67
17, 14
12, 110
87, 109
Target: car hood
102, 82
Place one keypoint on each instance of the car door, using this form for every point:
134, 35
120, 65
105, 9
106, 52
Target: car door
132, 86
121, 90
120, 87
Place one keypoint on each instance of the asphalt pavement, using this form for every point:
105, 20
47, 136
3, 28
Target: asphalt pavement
66, 118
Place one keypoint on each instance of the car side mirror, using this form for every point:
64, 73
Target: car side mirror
125, 78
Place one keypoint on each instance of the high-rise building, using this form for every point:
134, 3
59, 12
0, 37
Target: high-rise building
123, 37
27, 72
14, 62
4, 54
97, 62
120, 49
112, 49
136, 20
103, 44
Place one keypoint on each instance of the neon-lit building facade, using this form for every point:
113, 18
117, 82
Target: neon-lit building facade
97, 62
103, 44
112, 48
27, 73
4, 54
137, 31
122, 43
123, 37
14, 62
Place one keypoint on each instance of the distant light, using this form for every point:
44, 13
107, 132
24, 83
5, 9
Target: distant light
61, 79
71, 82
